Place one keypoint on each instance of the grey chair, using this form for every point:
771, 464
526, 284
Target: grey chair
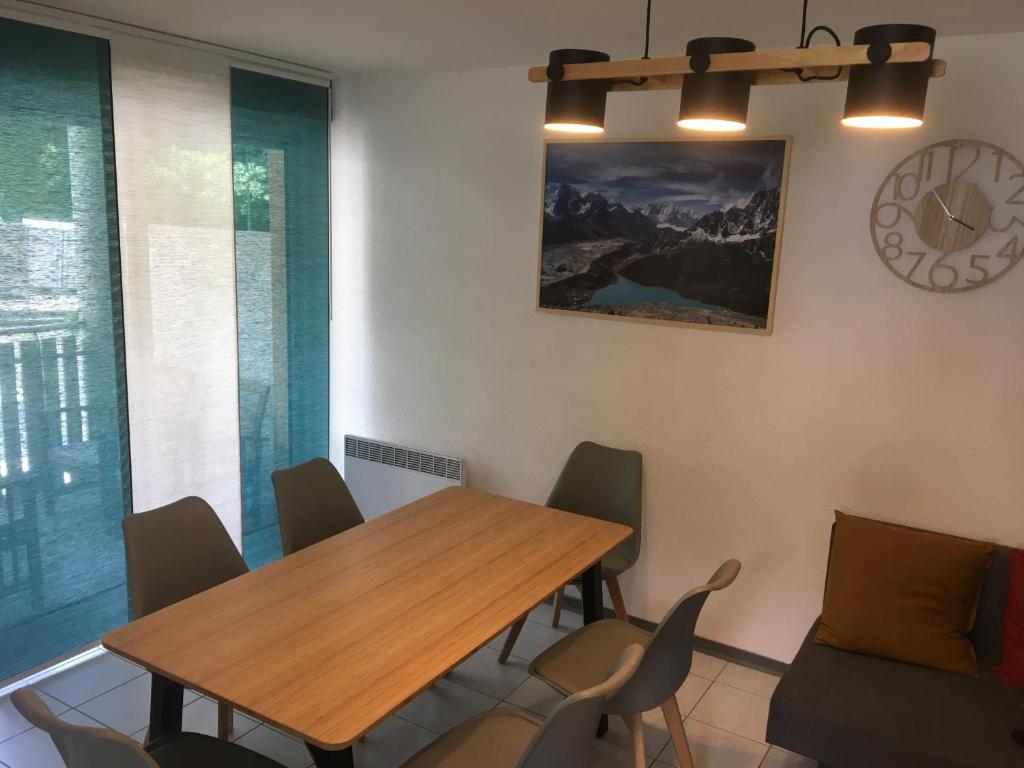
313, 503
83, 747
175, 552
606, 483
505, 738
576, 661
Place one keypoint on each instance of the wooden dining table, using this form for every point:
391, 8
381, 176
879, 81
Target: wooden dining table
328, 642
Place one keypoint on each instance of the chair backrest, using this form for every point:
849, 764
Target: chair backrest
176, 551
313, 503
669, 654
566, 739
81, 747
606, 483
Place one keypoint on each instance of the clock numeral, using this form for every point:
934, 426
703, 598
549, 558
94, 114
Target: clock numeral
1017, 198
1012, 251
975, 265
899, 209
941, 267
954, 150
893, 241
907, 186
917, 263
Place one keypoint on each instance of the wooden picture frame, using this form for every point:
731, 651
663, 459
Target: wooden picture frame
584, 271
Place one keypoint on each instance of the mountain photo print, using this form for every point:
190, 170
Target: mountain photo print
673, 230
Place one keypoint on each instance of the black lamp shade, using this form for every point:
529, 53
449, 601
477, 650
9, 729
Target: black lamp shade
888, 95
576, 106
716, 101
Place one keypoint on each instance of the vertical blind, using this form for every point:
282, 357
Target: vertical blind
63, 432
279, 136
173, 133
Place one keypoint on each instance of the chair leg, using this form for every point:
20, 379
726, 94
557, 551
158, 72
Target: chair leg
616, 592
510, 641
225, 720
635, 723
559, 597
674, 719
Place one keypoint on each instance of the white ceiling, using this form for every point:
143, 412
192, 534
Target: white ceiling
405, 34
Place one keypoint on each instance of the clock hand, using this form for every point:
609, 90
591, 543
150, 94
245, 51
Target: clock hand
961, 223
950, 215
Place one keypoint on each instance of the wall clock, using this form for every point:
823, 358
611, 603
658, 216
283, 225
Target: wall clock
950, 217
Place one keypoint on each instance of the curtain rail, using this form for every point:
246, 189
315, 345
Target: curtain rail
33, 11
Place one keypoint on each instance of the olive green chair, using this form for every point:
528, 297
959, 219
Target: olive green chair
174, 552
606, 483
313, 503
83, 747
577, 661
505, 738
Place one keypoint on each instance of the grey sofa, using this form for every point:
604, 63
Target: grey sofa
847, 710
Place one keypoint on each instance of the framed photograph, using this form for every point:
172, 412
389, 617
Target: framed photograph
664, 230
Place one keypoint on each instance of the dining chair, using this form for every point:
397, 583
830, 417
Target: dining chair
313, 503
606, 483
174, 552
84, 747
506, 738
576, 661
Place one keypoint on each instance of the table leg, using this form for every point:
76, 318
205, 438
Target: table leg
593, 610
323, 758
593, 602
165, 702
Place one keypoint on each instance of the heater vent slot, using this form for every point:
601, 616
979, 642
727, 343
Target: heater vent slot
425, 462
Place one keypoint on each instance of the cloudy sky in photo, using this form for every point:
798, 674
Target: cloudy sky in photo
702, 175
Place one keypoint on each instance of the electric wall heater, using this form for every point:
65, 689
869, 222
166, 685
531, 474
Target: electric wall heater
382, 476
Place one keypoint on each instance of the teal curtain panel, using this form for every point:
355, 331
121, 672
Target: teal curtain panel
64, 474
279, 130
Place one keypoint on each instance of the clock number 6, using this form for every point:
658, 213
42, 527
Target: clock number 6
948, 269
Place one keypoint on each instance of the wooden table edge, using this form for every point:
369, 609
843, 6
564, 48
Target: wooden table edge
309, 738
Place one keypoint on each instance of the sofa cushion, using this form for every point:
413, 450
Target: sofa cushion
901, 594
850, 711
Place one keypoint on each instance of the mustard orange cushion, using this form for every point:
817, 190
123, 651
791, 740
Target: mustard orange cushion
902, 594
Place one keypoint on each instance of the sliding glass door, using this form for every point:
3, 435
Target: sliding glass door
279, 134
63, 437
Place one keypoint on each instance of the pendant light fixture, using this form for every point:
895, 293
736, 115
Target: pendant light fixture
886, 95
575, 106
888, 68
715, 101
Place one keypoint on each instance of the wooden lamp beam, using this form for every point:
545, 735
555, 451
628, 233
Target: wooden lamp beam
762, 77
771, 60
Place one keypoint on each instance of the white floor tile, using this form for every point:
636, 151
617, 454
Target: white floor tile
692, 691
733, 710
544, 612
275, 745
483, 673
533, 640
706, 666
655, 733
747, 679
87, 681
125, 708
201, 717
715, 748
34, 749
613, 756
11, 723
535, 696
391, 743
780, 758
444, 705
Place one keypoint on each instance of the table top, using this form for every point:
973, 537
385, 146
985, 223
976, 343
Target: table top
328, 642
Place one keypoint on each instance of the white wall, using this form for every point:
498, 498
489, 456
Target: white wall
870, 395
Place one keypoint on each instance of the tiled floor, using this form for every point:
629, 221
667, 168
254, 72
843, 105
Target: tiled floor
725, 705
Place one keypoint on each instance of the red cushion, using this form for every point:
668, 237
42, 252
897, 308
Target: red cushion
1011, 668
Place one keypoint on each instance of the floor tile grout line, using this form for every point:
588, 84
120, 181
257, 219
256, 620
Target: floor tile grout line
103, 693
726, 730
742, 690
